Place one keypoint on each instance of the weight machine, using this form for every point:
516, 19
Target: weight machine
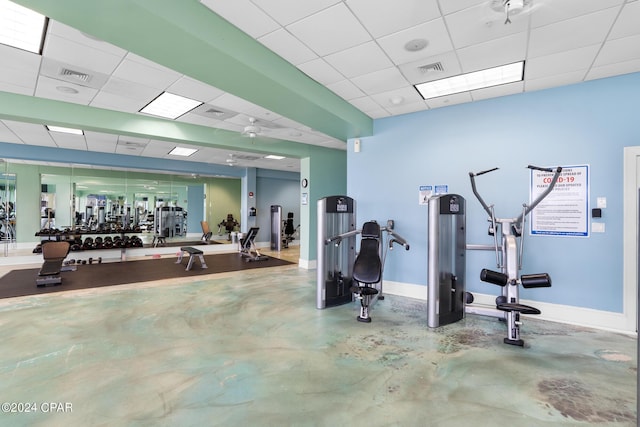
508, 244
341, 272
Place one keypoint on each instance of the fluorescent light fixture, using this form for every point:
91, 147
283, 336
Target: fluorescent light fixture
182, 151
170, 106
471, 81
21, 27
274, 157
64, 130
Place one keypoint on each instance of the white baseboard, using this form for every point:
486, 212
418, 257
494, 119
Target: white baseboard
579, 316
307, 264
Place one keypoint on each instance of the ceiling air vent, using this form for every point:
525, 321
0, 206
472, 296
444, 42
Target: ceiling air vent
214, 112
246, 157
436, 67
76, 75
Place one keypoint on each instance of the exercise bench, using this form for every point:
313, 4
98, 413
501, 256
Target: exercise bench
54, 253
193, 252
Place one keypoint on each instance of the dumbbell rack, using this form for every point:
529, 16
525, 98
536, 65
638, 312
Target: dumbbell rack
70, 235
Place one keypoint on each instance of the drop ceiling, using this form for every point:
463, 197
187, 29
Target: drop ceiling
311, 73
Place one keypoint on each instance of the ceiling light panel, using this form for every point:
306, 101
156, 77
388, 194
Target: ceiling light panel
64, 130
21, 27
471, 81
182, 151
170, 106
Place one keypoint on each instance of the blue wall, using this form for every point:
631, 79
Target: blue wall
276, 188
587, 123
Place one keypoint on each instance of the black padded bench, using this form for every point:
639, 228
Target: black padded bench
54, 254
193, 252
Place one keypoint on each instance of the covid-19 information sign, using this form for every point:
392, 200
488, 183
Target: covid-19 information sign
565, 211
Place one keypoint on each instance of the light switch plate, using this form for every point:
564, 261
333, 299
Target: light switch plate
601, 202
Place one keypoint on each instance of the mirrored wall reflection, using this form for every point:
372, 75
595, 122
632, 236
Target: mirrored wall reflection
7, 206
120, 201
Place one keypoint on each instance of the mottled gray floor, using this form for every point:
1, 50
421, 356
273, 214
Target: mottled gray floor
250, 349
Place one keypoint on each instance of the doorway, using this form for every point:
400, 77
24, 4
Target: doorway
631, 197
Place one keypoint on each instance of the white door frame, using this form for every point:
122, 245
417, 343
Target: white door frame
630, 238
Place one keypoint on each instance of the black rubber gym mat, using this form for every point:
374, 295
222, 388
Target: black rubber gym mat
23, 282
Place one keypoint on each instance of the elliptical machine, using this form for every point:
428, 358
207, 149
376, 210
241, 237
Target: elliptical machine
509, 246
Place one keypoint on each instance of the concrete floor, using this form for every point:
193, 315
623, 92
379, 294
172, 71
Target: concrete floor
250, 349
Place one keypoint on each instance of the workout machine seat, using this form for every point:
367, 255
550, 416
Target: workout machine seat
54, 253
248, 247
367, 269
206, 232
289, 230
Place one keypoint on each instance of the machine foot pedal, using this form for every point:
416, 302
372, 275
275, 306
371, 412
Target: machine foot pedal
519, 343
521, 308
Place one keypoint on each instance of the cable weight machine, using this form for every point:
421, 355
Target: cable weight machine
508, 245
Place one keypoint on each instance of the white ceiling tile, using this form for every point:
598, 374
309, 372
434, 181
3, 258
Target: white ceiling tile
480, 23
554, 80
243, 14
619, 50
137, 72
186, 86
447, 101
573, 33
614, 69
19, 67
6, 135
398, 97
561, 63
131, 90
288, 11
232, 103
497, 91
196, 119
101, 142
346, 89
428, 69
35, 134
380, 81
451, 6
379, 113
502, 51
287, 46
53, 89
434, 32
9, 87
78, 54
382, 17
345, 32
66, 140
359, 60
407, 108
550, 11
365, 104
69, 33
111, 101
628, 21
320, 71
